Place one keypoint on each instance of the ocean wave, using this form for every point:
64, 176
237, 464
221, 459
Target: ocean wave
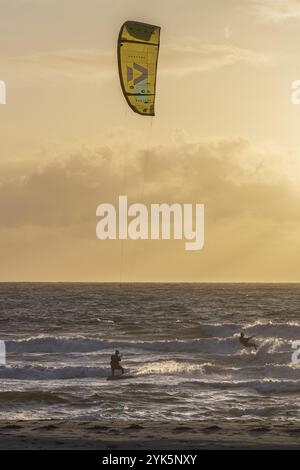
24, 396
51, 373
218, 346
81, 344
53, 344
170, 368
214, 372
268, 371
288, 331
262, 386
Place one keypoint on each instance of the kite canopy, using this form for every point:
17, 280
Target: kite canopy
138, 46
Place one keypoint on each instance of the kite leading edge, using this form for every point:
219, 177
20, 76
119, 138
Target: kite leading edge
138, 47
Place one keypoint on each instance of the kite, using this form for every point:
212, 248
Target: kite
138, 47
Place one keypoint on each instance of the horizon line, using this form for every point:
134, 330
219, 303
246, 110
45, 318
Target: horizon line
147, 282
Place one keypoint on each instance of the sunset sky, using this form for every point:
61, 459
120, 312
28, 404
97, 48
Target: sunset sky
225, 134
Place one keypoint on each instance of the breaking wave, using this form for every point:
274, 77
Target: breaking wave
84, 345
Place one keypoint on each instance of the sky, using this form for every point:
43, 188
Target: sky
225, 134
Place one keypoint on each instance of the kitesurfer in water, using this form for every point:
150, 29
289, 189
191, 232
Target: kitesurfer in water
246, 341
115, 363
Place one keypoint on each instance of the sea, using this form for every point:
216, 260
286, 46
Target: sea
180, 345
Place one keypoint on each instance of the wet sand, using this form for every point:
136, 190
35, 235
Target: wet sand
106, 435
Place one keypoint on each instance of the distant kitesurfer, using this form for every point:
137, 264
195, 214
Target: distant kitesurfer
246, 341
115, 363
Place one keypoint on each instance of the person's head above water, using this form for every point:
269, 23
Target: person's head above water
242, 335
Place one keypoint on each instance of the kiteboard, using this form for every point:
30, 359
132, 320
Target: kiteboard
120, 377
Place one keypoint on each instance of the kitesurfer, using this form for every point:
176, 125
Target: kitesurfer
115, 363
246, 341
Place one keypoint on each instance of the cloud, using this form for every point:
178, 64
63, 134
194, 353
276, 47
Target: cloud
47, 223
276, 10
230, 176
185, 60
227, 31
95, 66
76, 65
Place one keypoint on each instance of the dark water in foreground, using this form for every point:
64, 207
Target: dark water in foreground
180, 341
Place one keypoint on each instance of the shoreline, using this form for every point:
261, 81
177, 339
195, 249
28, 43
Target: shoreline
115, 435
